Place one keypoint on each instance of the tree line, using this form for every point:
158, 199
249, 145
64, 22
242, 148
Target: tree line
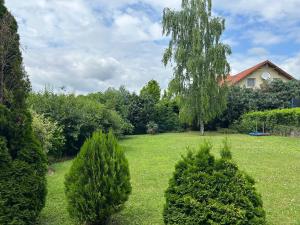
71, 119
62, 122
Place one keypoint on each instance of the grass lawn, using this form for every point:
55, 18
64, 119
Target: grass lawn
274, 162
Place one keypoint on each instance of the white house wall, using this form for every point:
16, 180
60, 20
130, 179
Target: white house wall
257, 75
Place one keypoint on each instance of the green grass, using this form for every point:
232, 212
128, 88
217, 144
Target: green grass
274, 162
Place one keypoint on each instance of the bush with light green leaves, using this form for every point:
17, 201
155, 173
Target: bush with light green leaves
274, 121
49, 133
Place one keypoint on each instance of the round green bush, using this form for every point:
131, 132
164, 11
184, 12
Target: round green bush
98, 183
205, 190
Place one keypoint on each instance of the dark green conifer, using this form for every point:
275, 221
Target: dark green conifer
22, 161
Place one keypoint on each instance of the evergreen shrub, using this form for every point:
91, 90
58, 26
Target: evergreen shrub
22, 170
206, 190
23, 164
98, 183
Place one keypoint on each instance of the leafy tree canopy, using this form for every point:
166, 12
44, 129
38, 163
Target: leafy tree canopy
151, 90
199, 57
79, 116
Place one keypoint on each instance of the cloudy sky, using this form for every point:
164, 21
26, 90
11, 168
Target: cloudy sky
90, 45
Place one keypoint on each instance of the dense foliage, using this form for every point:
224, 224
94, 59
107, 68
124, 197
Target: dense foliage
151, 90
118, 109
139, 110
275, 95
22, 161
114, 99
98, 182
49, 133
22, 170
206, 190
129, 113
199, 58
78, 116
166, 115
276, 121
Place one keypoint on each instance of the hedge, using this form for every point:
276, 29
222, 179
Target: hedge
272, 121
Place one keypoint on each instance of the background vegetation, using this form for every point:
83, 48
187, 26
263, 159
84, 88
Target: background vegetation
277, 121
79, 116
129, 113
274, 95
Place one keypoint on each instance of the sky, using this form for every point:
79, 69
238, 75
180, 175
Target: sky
89, 45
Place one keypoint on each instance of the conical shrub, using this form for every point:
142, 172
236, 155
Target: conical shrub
22, 170
205, 190
98, 183
23, 165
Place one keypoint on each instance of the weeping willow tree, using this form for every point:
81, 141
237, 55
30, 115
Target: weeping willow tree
199, 60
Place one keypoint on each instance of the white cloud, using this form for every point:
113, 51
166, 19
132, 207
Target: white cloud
241, 62
266, 9
68, 43
159, 4
269, 22
230, 42
92, 45
136, 28
258, 51
292, 66
264, 38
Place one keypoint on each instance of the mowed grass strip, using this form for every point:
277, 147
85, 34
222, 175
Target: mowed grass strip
274, 162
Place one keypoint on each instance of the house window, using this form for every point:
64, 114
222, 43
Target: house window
251, 82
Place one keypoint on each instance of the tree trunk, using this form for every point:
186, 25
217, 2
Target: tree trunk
201, 127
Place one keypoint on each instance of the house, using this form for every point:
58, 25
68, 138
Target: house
258, 75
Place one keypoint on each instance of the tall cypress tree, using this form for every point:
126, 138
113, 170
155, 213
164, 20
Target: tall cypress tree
14, 83
199, 60
22, 161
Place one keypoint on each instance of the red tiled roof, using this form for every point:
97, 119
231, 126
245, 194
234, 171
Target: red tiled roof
237, 78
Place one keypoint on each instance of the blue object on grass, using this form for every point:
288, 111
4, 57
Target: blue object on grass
259, 134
